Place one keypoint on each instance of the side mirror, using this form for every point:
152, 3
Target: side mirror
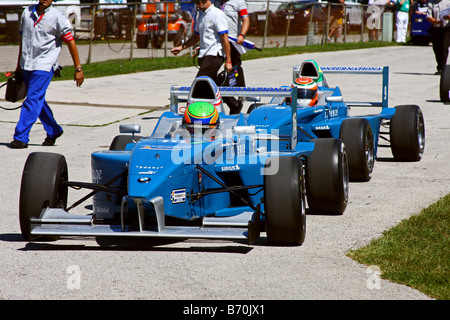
334, 99
130, 128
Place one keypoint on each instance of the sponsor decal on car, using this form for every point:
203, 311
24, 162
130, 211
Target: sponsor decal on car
178, 196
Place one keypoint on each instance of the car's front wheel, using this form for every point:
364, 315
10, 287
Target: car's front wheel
44, 184
327, 177
284, 201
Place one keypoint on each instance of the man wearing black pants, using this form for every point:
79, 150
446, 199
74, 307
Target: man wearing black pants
211, 29
238, 25
438, 14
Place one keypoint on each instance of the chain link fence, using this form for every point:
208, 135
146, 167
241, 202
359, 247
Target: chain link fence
152, 28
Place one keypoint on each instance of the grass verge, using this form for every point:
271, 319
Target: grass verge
415, 252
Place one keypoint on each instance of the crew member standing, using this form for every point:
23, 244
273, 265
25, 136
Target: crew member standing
43, 29
238, 25
211, 29
402, 19
438, 15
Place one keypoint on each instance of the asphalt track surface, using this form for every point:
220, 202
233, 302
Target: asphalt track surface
222, 270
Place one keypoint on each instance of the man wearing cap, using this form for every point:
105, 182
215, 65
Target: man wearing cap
211, 29
43, 29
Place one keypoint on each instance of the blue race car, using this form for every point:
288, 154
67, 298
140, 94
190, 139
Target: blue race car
329, 117
188, 180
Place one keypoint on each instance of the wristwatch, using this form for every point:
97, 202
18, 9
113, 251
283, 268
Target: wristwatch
78, 69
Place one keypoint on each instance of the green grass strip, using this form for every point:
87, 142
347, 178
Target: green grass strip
416, 252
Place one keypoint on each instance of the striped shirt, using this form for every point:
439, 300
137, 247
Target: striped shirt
42, 38
235, 11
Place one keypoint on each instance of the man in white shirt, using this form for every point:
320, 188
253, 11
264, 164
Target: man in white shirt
211, 29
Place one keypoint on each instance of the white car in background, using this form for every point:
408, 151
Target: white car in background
10, 11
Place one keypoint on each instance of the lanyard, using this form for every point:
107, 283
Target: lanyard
40, 18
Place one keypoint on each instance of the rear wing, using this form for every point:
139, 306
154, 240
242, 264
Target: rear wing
310, 68
384, 71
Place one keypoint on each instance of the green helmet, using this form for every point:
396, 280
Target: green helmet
202, 115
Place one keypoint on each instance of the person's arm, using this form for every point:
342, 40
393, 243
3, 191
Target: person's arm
18, 67
430, 16
190, 42
244, 29
79, 76
227, 50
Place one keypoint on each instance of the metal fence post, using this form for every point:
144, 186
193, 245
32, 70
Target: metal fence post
91, 40
344, 20
362, 23
266, 25
328, 22
288, 24
166, 36
133, 31
310, 35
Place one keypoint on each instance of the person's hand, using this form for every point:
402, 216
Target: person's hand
228, 66
79, 78
176, 50
240, 39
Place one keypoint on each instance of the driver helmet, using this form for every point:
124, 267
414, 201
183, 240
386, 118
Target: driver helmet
307, 91
200, 115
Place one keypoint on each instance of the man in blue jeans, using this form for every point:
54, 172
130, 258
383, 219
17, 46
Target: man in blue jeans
43, 29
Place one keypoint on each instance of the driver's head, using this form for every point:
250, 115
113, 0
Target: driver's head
307, 91
200, 116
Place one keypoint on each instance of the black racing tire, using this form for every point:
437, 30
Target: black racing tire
358, 138
43, 185
407, 133
284, 201
327, 177
120, 142
444, 84
254, 106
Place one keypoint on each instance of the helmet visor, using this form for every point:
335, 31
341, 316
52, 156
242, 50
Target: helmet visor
306, 93
199, 127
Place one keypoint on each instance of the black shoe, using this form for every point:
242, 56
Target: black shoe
16, 144
51, 141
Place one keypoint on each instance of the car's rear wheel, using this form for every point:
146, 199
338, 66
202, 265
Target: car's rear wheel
44, 184
327, 177
407, 133
284, 201
444, 84
358, 139
120, 142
